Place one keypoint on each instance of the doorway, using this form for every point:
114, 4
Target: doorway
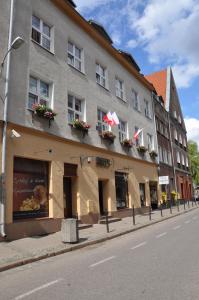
153, 195
142, 195
68, 199
101, 196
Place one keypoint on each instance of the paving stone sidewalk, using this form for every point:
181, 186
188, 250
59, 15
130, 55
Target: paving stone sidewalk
30, 249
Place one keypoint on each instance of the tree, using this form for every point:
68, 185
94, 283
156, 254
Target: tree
194, 160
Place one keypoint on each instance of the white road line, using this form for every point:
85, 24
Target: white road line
177, 227
187, 222
44, 286
102, 261
160, 235
138, 246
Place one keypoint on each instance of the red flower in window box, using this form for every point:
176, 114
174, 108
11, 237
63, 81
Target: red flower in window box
43, 111
127, 143
81, 125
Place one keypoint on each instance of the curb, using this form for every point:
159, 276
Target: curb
90, 243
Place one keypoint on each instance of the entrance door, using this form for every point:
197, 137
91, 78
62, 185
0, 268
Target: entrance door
142, 195
67, 183
153, 195
101, 198
121, 185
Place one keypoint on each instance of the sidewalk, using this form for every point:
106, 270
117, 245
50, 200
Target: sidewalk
27, 250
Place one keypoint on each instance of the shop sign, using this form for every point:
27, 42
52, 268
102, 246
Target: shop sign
30, 190
103, 162
163, 180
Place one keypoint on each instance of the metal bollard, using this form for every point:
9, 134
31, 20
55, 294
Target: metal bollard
161, 210
133, 215
170, 207
195, 202
77, 227
150, 212
192, 202
184, 205
178, 207
107, 223
188, 203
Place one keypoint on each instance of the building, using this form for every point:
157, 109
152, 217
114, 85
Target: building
180, 178
54, 168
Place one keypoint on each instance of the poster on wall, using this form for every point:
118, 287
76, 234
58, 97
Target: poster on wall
30, 189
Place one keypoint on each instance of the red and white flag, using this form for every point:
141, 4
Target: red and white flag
136, 135
111, 119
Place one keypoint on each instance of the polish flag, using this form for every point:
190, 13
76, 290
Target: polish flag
136, 135
108, 118
115, 120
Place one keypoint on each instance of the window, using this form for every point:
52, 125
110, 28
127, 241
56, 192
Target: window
102, 126
169, 158
101, 75
180, 139
119, 85
178, 157
175, 114
179, 119
75, 56
41, 33
175, 134
183, 159
147, 109
150, 142
139, 140
164, 156
135, 99
184, 143
122, 127
39, 92
187, 162
75, 109
160, 153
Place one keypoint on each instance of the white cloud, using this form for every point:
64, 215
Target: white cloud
83, 5
169, 32
192, 126
132, 44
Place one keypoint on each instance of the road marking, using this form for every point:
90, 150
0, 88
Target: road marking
177, 227
138, 246
102, 261
160, 235
44, 286
187, 222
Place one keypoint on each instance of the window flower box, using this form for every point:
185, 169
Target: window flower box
44, 112
141, 149
81, 126
107, 135
153, 154
127, 143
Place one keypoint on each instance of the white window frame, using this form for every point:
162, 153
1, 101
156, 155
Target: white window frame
101, 124
42, 34
101, 75
150, 142
74, 57
169, 158
183, 159
81, 114
119, 88
180, 139
187, 162
147, 109
123, 134
160, 153
37, 94
175, 134
178, 157
136, 100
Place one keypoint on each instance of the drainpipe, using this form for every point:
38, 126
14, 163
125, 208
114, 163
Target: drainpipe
5, 122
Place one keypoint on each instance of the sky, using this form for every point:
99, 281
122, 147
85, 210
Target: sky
158, 33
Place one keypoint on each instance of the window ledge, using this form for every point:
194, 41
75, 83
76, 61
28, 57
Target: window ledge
42, 47
107, 90
121, 99
81, 72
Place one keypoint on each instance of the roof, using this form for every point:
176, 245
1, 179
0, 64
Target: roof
71, 2
101, 30
130, 59
159, 81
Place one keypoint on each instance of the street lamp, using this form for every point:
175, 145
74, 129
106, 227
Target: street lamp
17, 43
12, 45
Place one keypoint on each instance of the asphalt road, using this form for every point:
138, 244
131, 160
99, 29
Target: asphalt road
159, 262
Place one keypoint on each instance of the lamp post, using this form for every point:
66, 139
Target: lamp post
12, 45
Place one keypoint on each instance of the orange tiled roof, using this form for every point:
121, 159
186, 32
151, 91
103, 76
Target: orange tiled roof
159, 81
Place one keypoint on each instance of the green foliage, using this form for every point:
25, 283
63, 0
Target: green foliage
194, 160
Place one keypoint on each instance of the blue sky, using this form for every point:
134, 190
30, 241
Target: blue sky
158, 34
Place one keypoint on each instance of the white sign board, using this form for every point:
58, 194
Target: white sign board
163, 179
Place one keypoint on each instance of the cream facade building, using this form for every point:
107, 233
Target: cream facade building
54, 170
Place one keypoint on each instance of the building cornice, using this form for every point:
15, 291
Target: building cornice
84, 25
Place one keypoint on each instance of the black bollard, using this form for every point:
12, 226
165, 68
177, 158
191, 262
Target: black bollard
161, 209
77, 227
170, 207
188, 203
184, 205
150, 212
192, 202
107, 223
133, 215
178, 207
